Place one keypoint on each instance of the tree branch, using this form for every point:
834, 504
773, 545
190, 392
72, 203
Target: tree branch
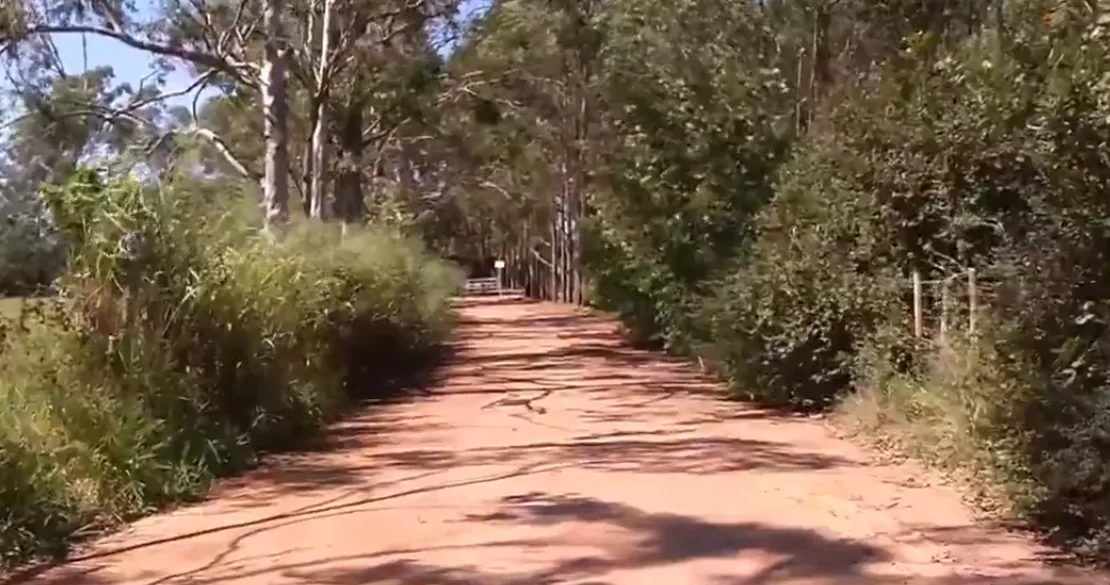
537, 256
220, 63
109, 114
225, 151
375, 133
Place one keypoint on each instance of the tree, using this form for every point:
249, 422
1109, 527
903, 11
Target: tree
214, 39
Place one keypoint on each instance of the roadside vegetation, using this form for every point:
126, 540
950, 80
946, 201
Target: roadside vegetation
194, 275
182, 344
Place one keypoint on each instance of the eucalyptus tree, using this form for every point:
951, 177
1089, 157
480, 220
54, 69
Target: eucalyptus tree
216, 39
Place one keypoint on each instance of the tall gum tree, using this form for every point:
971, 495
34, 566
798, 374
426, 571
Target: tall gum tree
212, 38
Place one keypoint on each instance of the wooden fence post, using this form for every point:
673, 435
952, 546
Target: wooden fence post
972, 300
918, 319
943, 309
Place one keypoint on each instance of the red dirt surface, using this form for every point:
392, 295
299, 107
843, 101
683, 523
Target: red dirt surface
635, 473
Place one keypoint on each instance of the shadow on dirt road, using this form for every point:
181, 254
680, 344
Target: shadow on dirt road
628, 470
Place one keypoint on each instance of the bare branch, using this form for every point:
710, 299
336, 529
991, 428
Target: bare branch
142, 82
212, 138
194, 110
385, 138
225, 151
211, 60
225, 38
496, 187
109, 114
374, 133
537, 256
104, 10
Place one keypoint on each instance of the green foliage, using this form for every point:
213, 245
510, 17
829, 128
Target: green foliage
1016, 185
786, 323
184, 344
694, 145
978, 143
994, 157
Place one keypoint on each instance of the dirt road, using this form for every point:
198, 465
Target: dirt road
628, 473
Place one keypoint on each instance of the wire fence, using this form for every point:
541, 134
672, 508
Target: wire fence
955, 301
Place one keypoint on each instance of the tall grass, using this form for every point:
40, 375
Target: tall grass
1026, 446
957, 406
182, 345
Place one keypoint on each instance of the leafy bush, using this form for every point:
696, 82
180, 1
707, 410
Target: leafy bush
184, 344
785, 325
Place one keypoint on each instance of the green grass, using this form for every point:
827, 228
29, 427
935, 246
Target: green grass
186, 356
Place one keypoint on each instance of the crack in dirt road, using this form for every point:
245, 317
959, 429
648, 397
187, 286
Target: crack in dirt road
636, 473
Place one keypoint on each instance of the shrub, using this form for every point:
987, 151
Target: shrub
784, 326
183, 344
1031, 437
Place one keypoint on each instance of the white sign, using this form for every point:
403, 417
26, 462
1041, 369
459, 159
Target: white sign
499, 264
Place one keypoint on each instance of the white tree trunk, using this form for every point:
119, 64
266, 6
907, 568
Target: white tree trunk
320, 138
308, 176
275, 111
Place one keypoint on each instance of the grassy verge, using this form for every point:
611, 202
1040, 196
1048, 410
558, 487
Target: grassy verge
184, 344
1020, 452
946, 412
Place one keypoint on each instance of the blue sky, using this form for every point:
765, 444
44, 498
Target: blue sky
132, 65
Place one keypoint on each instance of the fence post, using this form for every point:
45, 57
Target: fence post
972, 300
943, 309
499, 266
918, 319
